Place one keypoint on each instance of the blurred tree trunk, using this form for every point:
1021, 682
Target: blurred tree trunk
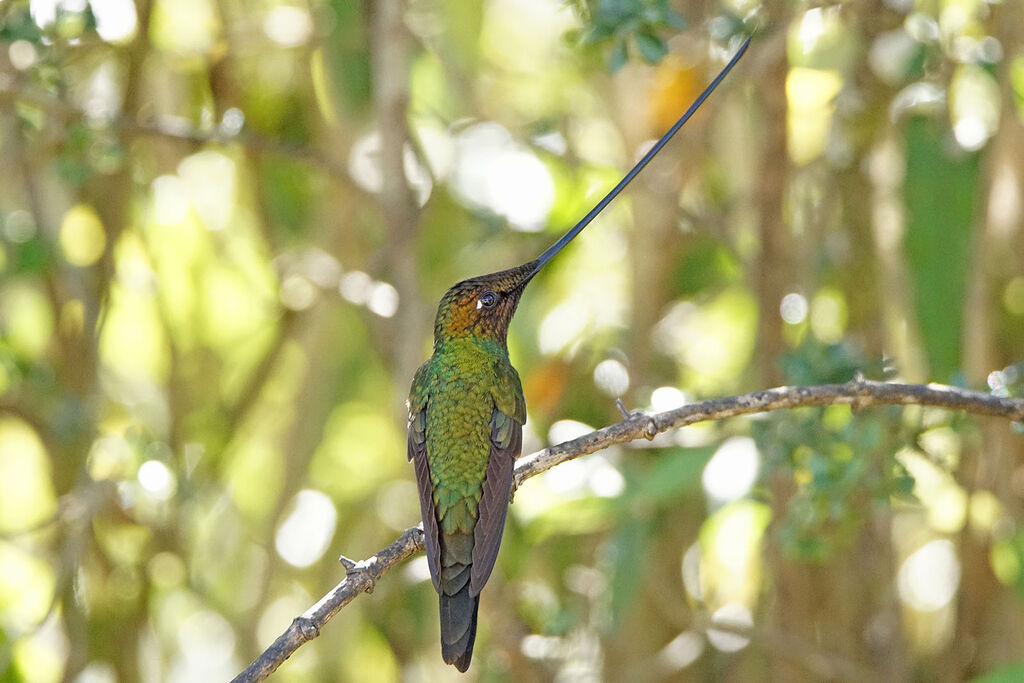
988, 618
772, 270
391, 53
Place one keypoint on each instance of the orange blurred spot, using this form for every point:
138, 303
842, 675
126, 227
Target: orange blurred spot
674, 86
544, 387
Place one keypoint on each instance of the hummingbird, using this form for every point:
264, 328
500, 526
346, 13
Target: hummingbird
466, 417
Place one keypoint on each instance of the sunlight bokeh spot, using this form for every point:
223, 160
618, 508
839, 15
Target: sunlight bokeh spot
667, 398
166, 570
811, 95
170, 200
82, 237
97, 671
28, 320
929, 578
185, 27
970, 132
305, 534
732, 470
731, 548
731, 615
22, 54
691, 572
383, 300
279, 613
209, 180
115, 19
499, 174
417, 569
288, 25
985, 511
44, 12
297, 293
605, 480
567, 430
1005, 562
157, 479
26, 587
41, 651
355, 286
1013, 295
944, 500
793, 308
829, 315
364, 162
206, 643
19, 226
812, 27
891, 54
364, 165
563, 325
974, 103
681, 651
1006, 204
110, 457
26, 491
611, 377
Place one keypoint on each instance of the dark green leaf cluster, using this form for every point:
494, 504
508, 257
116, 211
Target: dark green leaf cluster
841, 461
636, 24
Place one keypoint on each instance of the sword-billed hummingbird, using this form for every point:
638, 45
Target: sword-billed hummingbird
466, 416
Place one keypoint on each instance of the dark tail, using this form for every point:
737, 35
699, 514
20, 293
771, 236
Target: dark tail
458, 627
458, 607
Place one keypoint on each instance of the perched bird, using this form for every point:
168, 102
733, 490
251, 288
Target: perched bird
466, 416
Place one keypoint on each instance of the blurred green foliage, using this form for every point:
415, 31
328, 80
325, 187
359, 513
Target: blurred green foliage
210, 313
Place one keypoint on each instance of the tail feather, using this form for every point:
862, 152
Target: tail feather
458, 627
458, 606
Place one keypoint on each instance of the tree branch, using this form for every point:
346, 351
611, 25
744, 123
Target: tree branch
859, 393
180, 130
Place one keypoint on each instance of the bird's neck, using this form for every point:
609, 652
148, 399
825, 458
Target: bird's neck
455, 346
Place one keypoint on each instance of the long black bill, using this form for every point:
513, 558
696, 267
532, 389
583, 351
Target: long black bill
585, 221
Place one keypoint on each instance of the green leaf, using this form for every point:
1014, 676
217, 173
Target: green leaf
673, 19
651, 47
597, 33
940, 199
615, 11
618, 56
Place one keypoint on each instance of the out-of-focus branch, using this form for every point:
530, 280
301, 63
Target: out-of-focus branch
859, 393
177, 129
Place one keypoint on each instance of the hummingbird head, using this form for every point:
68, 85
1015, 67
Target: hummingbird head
482, 306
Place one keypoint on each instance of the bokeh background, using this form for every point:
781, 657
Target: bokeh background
226, 224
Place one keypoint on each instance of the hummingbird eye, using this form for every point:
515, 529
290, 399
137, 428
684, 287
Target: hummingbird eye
487, 300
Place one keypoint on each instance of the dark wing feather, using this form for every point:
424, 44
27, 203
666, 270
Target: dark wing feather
427, 513
506, 444
417, 452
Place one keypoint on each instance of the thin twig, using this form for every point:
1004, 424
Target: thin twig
859, 393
